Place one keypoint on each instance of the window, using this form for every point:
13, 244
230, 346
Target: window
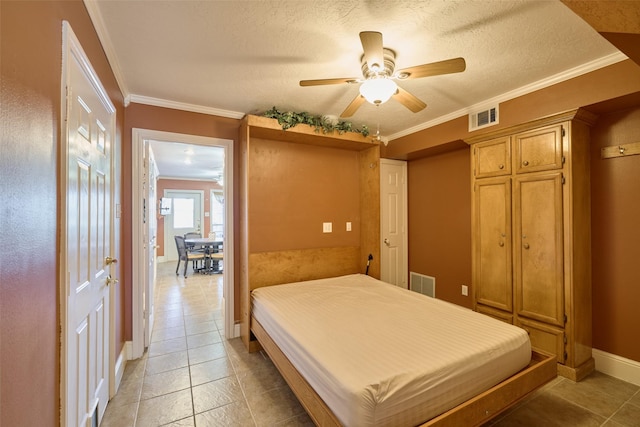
183, 213
217, 212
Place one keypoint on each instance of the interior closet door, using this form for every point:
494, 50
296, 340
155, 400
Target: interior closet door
87, 261
393, 218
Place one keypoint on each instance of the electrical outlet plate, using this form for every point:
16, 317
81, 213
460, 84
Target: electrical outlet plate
465, 290
348, 226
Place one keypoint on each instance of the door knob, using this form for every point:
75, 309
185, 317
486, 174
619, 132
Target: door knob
111, 280
108, 260
387, 242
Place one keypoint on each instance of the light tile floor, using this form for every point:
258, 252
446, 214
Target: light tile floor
192, 376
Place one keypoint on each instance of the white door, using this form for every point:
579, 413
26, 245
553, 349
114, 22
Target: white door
151, 244
393, 218
87, 237
185, 217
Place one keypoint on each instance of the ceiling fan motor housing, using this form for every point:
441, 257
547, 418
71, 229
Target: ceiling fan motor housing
389, 66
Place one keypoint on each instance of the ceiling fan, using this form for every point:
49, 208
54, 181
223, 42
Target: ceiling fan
378, 71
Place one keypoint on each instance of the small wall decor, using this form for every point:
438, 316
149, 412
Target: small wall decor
165, 206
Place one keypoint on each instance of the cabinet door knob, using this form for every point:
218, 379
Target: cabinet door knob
526, 246
526, 163
501, 167
501, 244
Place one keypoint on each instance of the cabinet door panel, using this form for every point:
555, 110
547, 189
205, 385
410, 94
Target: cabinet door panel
545, 338
539, 149
496, 314
492, 158
492, 258
538, 241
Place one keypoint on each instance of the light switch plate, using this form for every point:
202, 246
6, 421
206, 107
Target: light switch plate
348, 226
326, 227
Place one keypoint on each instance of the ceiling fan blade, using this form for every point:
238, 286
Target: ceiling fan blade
353, 107
408, 100
373, 52
448, 66
321, 82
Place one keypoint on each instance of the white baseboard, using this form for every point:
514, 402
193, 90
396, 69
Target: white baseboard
617, 366
121, 362
128, 349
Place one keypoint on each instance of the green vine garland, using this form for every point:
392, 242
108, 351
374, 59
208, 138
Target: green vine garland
321, 123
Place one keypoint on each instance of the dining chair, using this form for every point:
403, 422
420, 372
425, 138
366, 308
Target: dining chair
192, 235
186, 256
216, 258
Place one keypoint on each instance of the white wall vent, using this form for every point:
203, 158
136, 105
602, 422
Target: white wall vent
484, 118
425, 285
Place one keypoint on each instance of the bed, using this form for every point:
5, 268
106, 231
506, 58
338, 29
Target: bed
359, 352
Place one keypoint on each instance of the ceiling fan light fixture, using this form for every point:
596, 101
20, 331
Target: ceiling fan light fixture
378, 90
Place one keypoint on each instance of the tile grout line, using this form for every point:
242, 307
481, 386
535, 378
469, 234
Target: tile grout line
184, 325
628, 401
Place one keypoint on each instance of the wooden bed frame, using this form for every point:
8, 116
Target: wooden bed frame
473, 412
267, 269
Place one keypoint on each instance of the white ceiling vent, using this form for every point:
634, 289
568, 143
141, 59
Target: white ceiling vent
484, 118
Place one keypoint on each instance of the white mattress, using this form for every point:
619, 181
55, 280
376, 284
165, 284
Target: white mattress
379, 355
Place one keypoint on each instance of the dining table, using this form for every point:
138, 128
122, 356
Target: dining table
210, 246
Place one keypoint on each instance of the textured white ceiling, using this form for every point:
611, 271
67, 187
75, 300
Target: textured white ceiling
237, 57
188, 161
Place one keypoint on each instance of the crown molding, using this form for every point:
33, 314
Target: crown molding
157, 102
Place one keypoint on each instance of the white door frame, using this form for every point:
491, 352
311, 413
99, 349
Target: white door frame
403, 244
138, 137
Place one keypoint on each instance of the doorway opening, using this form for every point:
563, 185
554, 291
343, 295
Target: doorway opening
185, 216
148, 209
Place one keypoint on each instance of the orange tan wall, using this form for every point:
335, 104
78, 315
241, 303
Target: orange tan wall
439, 199
31, 55
179, 184
615, 210
167, 120
294, 188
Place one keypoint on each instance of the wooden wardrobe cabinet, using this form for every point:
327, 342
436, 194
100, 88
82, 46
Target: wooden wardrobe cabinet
531, 256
